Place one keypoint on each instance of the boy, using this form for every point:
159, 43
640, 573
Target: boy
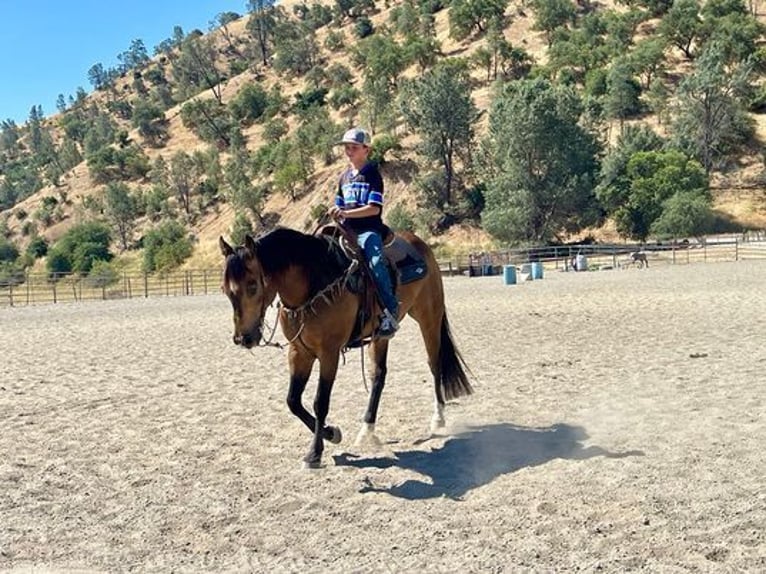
359, 203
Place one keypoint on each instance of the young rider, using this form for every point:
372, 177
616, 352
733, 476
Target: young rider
359, 203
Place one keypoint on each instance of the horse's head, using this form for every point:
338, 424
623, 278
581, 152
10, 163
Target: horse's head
247, 287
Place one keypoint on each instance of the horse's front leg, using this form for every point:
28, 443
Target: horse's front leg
328, 368
300, 371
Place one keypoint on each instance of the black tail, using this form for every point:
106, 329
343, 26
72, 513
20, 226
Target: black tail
454, 380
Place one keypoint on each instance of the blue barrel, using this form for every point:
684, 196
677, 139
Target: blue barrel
537, 270
509, 274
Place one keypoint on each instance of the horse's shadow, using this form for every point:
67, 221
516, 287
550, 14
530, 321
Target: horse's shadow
478, 456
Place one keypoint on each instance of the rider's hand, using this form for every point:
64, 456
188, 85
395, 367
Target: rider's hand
335, 212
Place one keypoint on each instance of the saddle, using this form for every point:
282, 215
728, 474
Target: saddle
404, 262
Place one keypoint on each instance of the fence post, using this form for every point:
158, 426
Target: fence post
204, 280
736, 250
10, 291
54, 287
146, 285
27, 279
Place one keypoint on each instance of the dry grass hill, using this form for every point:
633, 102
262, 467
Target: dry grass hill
738, 194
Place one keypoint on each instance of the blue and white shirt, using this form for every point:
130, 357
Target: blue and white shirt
360, 188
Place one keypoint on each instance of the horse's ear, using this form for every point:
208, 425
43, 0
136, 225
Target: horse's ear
226, 249
250, 243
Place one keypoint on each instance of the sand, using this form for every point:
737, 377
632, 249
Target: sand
618, 424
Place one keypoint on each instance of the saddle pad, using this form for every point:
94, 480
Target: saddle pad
411, 272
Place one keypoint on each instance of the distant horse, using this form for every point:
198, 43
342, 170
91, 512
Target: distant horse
324, 308
639, 259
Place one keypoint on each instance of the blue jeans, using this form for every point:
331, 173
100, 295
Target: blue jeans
372, 247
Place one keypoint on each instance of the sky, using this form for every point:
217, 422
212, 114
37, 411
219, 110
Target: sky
48, 46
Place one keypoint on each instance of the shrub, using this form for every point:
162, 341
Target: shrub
399, 218
37, 248
79, 248
8, 250
241, 227
102, 274
166, 247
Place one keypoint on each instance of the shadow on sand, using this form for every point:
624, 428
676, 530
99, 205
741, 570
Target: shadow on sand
478, 456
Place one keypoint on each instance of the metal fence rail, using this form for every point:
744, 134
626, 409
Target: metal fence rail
41, 288
604, 256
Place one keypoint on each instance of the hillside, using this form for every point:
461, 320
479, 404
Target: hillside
738, 194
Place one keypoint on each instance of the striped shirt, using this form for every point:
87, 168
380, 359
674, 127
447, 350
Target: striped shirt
360, 188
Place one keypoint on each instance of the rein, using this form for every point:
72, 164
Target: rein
327, 295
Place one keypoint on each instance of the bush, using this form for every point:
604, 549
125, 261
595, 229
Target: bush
363, 27
383, 144
37, 248
166, 247
79, 248
102, 274
399, 218
8, 251
249, 104
240, 228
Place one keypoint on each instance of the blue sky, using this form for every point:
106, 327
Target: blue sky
48, 46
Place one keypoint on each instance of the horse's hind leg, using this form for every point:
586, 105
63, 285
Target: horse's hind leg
429, 319
379, 356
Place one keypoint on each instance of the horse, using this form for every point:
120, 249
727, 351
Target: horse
639, 259
321, 312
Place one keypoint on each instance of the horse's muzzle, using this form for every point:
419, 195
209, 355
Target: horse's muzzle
248, 340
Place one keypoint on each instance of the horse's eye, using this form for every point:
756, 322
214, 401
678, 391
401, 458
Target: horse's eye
252, 289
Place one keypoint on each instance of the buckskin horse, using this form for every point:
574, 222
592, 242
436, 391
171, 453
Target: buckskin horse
324, 308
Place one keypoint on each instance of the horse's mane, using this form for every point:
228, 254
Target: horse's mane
320, 256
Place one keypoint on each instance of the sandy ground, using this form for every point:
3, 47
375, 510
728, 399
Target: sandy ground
618, 425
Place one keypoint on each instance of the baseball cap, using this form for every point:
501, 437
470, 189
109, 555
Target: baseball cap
356, 136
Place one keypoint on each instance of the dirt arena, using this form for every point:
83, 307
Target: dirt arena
618, 424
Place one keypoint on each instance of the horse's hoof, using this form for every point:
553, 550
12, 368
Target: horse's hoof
367, 436
311, 465
437, 424
336, 436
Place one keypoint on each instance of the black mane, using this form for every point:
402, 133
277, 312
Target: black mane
320, 257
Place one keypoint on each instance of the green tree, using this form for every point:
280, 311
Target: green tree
540, 164
467, 16
621, 100
648, 59
240, 188
249, 104
150, 121
264, 16
685, 214
681, 25
654, 177
209, 120
195, 67
182, 177
296, 48
613, 190
122, 210
552, 14
710, 120
438, 107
